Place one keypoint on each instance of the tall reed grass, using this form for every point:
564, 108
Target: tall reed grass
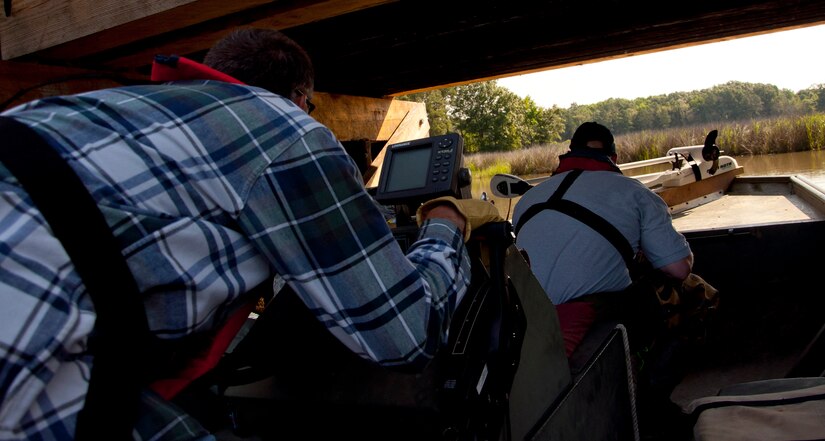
757, 137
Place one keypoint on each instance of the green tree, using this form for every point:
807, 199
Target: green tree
732, 101
617, 114
551, 125
680, 111
541, 126
576, 115
813, 98
488, 116
532, 120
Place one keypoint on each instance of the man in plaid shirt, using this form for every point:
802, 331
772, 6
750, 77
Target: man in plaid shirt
210, 189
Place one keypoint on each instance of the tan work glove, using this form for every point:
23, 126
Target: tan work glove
475, 211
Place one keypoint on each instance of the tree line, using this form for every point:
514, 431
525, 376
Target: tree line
492, 118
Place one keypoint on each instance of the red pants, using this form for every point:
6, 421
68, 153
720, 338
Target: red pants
575, 319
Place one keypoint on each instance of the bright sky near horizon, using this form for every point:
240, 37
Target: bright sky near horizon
787, 59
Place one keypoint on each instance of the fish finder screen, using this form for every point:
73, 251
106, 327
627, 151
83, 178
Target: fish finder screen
421, 169
409, 169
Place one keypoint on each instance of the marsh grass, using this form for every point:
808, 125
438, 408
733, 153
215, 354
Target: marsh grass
539, 159
757, 137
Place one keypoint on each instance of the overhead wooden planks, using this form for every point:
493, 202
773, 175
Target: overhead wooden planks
74, 29
35, 24
199, 38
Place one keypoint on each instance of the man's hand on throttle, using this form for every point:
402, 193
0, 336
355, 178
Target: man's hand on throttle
466, 214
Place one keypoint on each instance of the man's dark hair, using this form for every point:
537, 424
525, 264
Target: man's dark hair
264, 58
593, 131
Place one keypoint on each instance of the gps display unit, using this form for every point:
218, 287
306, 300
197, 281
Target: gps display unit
422, 169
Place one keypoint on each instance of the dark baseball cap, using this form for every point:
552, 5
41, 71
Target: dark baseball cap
593, 131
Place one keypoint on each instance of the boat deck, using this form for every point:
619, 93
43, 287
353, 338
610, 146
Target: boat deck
753, 201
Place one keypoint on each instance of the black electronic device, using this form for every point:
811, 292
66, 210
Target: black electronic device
422, 169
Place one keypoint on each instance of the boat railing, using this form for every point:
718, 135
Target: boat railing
682, 161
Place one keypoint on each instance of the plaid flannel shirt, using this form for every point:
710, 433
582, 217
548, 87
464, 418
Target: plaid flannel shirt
211, 189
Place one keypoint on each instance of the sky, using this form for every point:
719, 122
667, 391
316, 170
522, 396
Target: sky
787, 59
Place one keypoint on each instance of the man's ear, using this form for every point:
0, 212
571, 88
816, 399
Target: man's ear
300, 101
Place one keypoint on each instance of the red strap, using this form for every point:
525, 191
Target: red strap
573, 163
176, 68
173, 68
169, 387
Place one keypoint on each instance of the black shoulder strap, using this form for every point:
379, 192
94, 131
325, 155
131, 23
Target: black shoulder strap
537, 208
121, 329
583, 215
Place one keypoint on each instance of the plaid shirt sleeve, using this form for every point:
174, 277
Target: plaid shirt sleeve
322, 232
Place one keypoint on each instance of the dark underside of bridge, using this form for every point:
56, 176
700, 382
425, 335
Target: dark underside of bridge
384, 48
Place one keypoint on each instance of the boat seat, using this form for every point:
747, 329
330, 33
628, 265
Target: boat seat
603, 391
771, 386
595, 381
590, 344
776, 409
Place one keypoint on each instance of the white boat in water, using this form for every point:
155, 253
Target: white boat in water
691, 181
698, 174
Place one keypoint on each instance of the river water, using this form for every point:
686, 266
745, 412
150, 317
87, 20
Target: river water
809, 164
